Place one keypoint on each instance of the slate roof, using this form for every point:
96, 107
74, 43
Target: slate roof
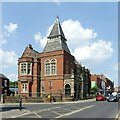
3, 76
56, 39
56, 30
76, 62
30, 52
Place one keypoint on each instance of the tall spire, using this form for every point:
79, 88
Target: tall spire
56, 39
57, 30
57, 19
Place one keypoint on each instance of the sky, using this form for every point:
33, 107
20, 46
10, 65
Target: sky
91, 30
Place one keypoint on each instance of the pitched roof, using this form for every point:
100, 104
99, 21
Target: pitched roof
56, 39
76, 62
30, 52
56, 30
3, 76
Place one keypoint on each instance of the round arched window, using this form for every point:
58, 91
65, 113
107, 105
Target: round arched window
67, 90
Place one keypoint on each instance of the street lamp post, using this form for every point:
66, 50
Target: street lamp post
61, 95
50, 86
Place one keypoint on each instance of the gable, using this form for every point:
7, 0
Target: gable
29, 52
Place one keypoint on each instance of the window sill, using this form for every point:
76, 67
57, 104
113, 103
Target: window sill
50, 75
24, 92
26, 74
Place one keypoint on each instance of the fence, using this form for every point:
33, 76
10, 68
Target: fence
37, 98
25, 99
12, 99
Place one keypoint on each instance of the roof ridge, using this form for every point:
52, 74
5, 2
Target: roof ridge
3, 76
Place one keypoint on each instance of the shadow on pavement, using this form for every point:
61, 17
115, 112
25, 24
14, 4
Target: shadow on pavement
9, 108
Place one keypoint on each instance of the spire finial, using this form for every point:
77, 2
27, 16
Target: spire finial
57, 19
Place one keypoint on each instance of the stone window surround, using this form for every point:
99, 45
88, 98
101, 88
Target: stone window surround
26, 68
66, 89
50, 61
24, 87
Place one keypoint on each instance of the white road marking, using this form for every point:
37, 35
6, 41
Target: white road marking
117, 115
75, 111
21, 114
56, 112
37, 115
29, 112
53, 108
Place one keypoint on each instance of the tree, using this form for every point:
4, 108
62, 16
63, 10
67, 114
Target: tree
93, 90
13, 83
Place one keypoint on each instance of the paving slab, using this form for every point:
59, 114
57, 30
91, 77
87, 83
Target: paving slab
13, 113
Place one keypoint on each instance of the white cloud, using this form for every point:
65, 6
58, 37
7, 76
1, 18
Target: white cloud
2, 40
7, 32
97, 52
11, 27
13, 77
40, 39
77, 35
8, 59
83, 42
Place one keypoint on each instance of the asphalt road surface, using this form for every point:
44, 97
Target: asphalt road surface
87, 109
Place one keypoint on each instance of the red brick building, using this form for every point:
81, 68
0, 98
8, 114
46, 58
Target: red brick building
4, 85
103, 83
117, 89
53, 71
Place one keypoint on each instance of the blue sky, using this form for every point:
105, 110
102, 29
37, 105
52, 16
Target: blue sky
92, 22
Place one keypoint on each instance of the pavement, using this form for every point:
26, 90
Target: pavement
10, 110
49, 103
8, 114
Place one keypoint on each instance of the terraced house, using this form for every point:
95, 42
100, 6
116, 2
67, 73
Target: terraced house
103, 83
4, 85
54, 71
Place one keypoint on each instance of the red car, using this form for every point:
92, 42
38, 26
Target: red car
100, 98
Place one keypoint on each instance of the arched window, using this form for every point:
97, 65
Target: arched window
53, 67
50, 67
47, 67
67, 90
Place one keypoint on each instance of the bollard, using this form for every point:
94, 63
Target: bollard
3, 98
20, 107
61, 97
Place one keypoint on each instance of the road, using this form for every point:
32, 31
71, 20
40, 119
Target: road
79, 109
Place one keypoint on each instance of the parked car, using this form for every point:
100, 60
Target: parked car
113, 98
119, 95
100, 98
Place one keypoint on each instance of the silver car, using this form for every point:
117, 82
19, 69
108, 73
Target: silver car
113, 98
